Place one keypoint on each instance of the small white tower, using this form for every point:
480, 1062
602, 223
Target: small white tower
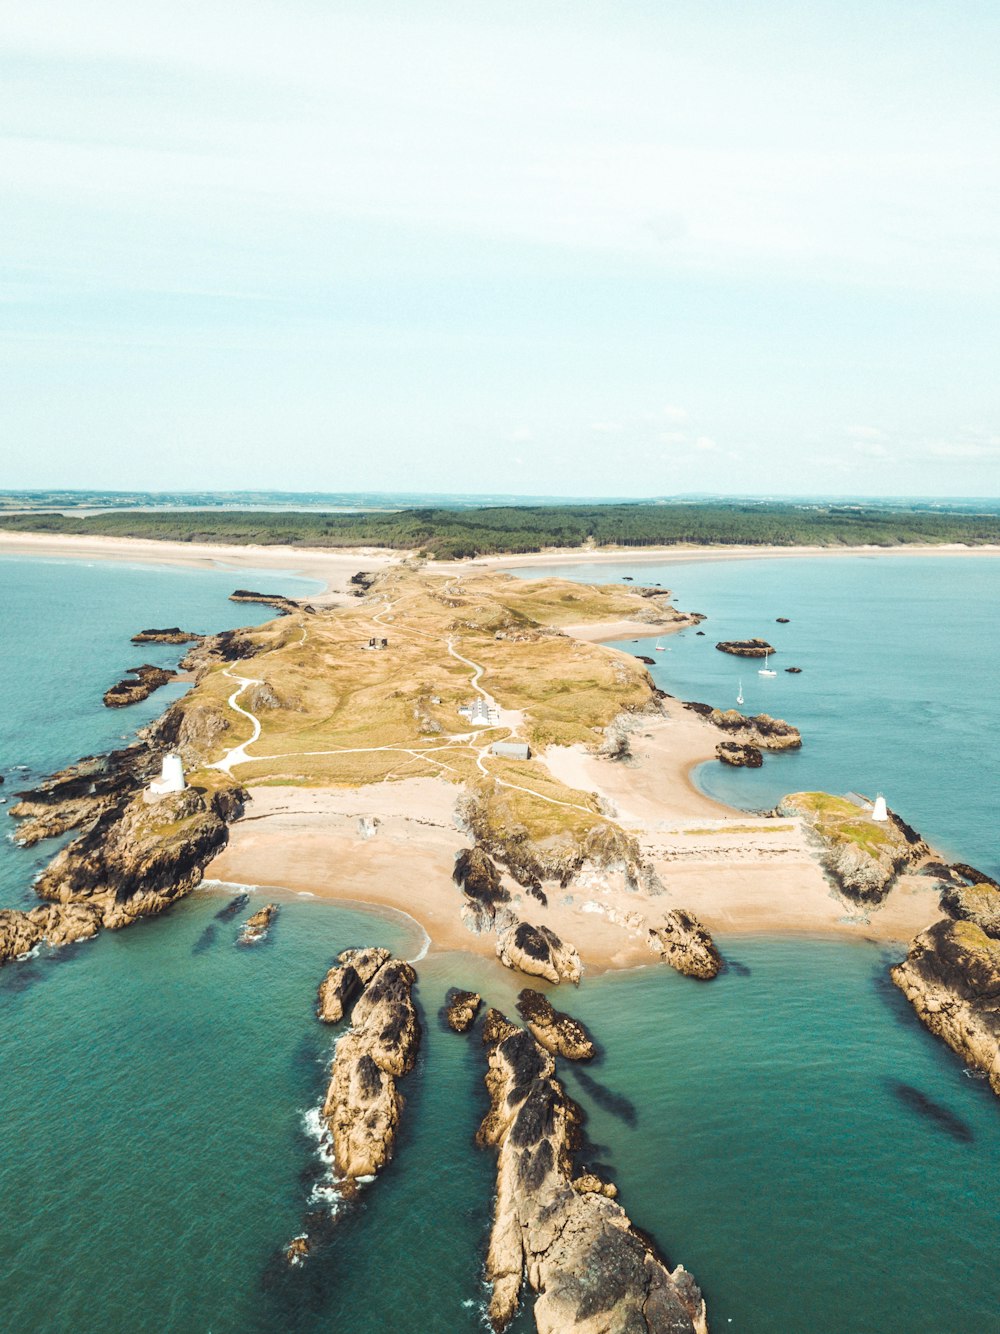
171, 776
879, 811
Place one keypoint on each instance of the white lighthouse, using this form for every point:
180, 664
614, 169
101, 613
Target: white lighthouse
879, 810
171, 776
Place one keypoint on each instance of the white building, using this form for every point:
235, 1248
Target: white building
171, 777
511, 750
880, 811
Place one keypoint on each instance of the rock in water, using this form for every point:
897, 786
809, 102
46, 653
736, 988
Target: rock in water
745, 648
558, 1033
138, 685
255, 928
19, 934
363, 1105
684, 944
172, 634
951, 977
740, 757
461, 1008
538, 951
346, 980
594, 1273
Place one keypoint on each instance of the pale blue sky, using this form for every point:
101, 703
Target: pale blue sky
577, 248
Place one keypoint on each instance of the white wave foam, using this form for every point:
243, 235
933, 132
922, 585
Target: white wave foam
423, 949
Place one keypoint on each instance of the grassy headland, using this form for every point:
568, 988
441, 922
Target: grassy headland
457, 533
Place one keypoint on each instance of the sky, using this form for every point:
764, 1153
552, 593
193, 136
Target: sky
555, 248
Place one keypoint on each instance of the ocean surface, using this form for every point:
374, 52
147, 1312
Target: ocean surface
898, 688
790, 1133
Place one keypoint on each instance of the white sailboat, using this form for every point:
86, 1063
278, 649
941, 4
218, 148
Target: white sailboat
739, 696
765, 670
659, 647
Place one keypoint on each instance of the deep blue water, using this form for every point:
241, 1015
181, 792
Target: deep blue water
900, 676
789, 1132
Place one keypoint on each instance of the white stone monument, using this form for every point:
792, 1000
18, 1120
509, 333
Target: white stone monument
171, 777
879, 811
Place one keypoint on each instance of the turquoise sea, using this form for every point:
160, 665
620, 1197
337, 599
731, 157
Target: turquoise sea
790, 1132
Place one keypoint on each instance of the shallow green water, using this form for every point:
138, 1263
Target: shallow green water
156, 1084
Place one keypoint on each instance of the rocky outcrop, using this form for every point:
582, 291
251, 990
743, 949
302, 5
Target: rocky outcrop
971, 875
137, 859
592, 1270
76, 795
256, 927
55, 924
979, 904
344, 982
480, 881
558, 1033
461, 1008
683, 943
794, 671
137, 685
644, 657
745, 648
863, 857
739, 756
759, 729
538, 951
781, 620
363, 1105
951, 977
282, 605
173, 634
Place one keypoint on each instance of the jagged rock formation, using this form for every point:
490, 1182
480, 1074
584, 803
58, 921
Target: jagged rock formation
78, 794
137, 685
363, 1106
683, 943
256, 927
745, 648
558, 1033
979, 904
951, 977
864, 858
970, 874
138, 859
173, 634
644, 657
760, 729
461, 1008
794, 671
594, 1273
739, 756
346, 980
480, 882
538, 951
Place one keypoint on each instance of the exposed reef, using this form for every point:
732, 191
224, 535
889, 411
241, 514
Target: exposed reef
864, 857
739, 756
745, 648
592, 1270
685, 944
257, 926
951, 977
173, 634
461, 1008
363, 1106
346, 980
137, 685
558, 1033
538, 951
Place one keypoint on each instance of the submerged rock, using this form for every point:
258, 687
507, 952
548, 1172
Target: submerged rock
558, 1033
255, 928
745, 648
538, 951
346, 980
592, 1270
739, 756
461, 1008
951, 977
363, 1106
686, 945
